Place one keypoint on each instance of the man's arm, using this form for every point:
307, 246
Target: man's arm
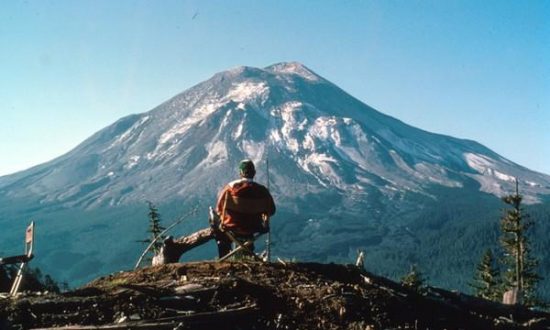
220, 204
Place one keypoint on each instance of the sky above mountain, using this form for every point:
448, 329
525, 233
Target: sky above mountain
469, 69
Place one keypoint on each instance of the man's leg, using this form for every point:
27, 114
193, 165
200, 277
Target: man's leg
243, 245
224, 244
245, 238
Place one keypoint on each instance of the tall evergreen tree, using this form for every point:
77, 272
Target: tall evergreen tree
487, 282
155, 228
520, 265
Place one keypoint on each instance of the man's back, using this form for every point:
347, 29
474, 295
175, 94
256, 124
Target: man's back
242, 205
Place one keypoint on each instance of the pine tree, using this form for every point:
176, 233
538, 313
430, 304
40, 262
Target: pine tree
413, 279
155, 229
520, 265
487, 282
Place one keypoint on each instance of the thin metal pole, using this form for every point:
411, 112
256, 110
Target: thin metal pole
268, 238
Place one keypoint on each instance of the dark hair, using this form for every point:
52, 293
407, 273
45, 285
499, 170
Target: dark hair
246, 168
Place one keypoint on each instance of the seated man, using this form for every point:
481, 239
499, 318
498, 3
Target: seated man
244, 207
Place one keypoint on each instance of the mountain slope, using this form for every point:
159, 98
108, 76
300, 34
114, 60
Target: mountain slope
305, 124
344, 177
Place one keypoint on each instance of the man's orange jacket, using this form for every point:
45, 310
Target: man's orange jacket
242, 205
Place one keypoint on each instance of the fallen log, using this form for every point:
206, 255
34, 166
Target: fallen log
173, 249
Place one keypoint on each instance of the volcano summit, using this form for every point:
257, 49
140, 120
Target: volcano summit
316, 136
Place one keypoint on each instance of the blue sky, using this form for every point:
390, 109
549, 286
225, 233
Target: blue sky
471, 69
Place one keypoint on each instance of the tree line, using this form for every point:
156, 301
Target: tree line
508, 274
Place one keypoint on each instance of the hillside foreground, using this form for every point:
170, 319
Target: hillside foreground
255, 295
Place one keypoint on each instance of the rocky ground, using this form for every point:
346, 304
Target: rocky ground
255, 295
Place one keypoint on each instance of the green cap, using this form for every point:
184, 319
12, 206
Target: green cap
246, 168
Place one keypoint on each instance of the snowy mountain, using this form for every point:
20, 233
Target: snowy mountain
315, 135
344, 177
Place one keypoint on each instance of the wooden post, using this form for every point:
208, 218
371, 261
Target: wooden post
510, 297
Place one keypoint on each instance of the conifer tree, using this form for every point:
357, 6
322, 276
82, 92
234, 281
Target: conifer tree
154, 228
520, 265
413, 279
487, 282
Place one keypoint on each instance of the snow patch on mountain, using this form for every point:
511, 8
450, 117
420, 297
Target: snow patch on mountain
253, 150
437, 174
320, 165
324, 128
486, 166
217, 154
294, 68
480, 163
275, 137
532, 184
247, 91
293, 122
412, 145
238, 132
125, 136
500, 175
134, 160
499, 178
348, 148
181, 127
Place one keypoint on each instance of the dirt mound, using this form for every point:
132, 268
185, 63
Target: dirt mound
252, 295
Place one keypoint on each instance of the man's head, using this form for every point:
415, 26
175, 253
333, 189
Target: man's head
246, 169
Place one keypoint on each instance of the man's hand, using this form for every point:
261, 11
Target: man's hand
265, 223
